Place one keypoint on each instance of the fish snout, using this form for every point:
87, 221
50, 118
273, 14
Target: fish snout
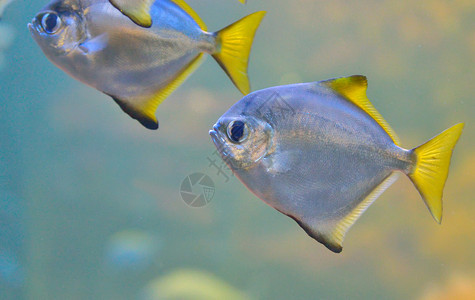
33, 26
223, 149
214, 134
218, 139
215, 130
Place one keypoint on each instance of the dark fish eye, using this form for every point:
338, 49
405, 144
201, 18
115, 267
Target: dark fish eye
237, 131
50, 22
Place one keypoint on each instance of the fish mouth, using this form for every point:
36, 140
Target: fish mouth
31, 27
34, 27
219, 141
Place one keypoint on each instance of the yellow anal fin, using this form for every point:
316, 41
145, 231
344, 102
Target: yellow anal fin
139, 109
183, 5
137, 10
143, 108
335, 236
234, 46
432, 168
354, 89
243, 1
332, 232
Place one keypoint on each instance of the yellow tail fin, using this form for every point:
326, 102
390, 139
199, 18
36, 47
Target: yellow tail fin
432, 167
234, 46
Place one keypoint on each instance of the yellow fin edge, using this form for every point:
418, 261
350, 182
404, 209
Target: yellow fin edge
143, 109
336, 236
332, 232
187, 71
183, 5
353, 88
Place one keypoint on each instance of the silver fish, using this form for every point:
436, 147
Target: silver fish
139, 67
320, 153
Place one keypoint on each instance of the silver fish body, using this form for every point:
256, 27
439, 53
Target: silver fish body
311, 154
319, 146
95, 43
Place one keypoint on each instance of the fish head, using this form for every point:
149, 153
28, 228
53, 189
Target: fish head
242, 140
58, 28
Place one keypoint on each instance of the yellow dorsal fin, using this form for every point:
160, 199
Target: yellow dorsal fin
143, 108
183, 5
354, 88
137, 10
243, 1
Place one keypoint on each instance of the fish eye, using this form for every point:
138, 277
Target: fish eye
50, 22
237, 131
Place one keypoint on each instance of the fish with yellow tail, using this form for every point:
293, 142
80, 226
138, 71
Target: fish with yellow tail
321, 153
139, 67
138, 10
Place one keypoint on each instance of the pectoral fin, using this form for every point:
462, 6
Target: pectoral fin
143, 108
136, 10
280, 162
331, 232
95, 44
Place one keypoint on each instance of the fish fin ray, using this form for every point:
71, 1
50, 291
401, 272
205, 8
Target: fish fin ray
331, 234
234, 48
354, 89
337, 235
138, 11
143, 108
183, 5
187, 71
432, 168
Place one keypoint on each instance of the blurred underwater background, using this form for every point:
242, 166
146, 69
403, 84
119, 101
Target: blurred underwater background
90, 204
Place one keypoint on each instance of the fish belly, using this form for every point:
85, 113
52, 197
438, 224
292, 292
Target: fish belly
323, 184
